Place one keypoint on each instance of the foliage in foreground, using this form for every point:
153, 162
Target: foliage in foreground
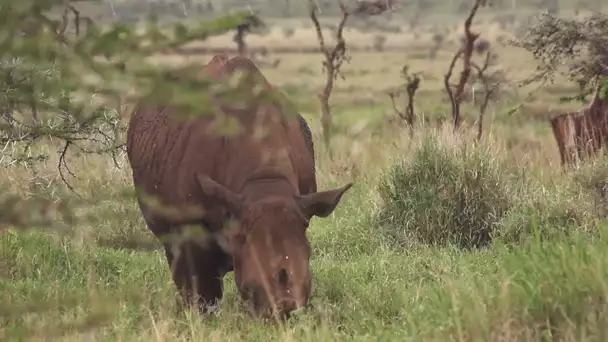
59, 71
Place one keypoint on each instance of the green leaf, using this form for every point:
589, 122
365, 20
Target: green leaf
604, 90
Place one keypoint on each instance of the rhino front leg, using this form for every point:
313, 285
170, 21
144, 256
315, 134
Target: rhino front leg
197, 274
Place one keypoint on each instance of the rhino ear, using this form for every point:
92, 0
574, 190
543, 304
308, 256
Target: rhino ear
322, 203
229, 199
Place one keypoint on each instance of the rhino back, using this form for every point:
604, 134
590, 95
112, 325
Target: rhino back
157, 147
307, 134
165, 153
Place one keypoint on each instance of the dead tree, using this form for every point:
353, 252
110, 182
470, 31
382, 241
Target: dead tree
251, 21
563, 131
466, 52
491, 82
582, 134
411, 86
581, 45
334, 58
572, 134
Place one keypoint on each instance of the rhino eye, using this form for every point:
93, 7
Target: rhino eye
283, 277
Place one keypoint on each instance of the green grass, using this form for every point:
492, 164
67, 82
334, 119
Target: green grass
367, 285
364, 290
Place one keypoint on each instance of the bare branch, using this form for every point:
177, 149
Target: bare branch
467, 52
412, 83
490, 83
334, 58
448, 88
392, 94
251, 21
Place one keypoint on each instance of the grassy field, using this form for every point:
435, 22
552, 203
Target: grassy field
391, 263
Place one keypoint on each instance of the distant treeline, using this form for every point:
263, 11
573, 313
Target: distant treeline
136, 10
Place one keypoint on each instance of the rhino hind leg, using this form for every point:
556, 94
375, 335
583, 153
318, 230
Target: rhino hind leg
197, 274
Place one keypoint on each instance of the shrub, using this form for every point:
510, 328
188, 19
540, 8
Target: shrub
466, 196
445, 196
592, 178
550, 216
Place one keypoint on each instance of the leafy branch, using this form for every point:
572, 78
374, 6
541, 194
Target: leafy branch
54, 61
574, 48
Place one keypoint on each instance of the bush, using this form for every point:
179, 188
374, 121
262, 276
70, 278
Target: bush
546, 216
466, 196
445, 196
592, 178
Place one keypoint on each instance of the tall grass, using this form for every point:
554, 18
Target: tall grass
542, 276
467, 195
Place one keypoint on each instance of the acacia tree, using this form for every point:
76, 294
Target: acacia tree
578, 50
53, 60
581, 45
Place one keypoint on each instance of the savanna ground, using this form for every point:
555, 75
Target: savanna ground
388, 264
